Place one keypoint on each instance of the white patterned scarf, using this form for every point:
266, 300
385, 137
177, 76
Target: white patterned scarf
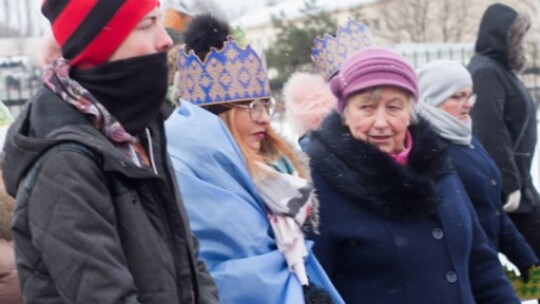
288, 199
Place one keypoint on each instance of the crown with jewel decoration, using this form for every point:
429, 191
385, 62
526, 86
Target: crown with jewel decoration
230, 74
329, 52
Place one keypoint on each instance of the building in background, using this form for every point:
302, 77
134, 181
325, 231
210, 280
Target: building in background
440, 23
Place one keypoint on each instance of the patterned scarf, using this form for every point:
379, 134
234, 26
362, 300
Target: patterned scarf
57, 79
289, 200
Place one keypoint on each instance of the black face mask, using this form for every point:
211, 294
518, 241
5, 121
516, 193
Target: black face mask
133, 90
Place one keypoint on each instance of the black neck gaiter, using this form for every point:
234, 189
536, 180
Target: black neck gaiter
132, 90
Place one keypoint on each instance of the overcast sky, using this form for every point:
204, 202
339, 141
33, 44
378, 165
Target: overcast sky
229, 8
19, 10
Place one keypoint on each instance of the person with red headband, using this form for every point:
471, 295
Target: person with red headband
98, 217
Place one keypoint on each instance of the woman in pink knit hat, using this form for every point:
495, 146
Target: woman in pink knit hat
396, 225
307, 96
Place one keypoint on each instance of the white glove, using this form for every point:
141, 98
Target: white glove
512, 201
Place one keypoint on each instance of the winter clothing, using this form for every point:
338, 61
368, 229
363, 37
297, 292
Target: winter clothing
399, 234
110, 228
289, 201
505, 114
133, 216
229, 217
308, 100
440, 79
372, 67
512, 201
446, 125
402, 157
482, 181
477, 171
146, 78
90, 31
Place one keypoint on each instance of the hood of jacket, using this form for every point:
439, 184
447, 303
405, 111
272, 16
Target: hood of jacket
371, 178
46, 121
500, 35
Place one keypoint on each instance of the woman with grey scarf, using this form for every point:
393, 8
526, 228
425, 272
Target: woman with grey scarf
446, 100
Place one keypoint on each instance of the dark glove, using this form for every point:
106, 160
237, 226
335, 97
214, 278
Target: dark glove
315, 295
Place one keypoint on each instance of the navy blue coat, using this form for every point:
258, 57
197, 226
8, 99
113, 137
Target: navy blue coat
482, 181
399, 234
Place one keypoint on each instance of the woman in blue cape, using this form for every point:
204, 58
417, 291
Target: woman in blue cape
249, 239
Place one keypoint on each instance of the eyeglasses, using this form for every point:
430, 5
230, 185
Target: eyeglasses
258, 108
463, 98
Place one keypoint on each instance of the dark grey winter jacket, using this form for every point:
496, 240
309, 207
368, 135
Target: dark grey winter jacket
98, 232
504, 116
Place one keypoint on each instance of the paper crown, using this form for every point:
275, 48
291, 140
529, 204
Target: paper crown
328, 53
231, 74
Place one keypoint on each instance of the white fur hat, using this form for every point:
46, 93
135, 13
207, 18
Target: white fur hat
308, 100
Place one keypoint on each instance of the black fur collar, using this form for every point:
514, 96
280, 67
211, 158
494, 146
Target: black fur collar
372, 178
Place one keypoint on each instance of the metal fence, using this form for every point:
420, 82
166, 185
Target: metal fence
19, 81
419, 56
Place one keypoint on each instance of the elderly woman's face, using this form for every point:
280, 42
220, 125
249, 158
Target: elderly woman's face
460, 104
380, 117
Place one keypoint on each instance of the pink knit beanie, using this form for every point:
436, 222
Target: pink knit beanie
372, 67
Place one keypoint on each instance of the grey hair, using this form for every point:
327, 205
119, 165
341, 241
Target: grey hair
413, 108
517, 61
375, 95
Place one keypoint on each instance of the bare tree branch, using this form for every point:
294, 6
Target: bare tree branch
424, 20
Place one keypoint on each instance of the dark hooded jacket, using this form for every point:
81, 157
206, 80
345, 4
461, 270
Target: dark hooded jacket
505, 114
399, 234
98, 232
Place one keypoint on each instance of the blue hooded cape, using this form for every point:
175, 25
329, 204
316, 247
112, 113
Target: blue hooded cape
228, 217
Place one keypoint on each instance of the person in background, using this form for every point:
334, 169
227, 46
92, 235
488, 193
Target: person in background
308, 100
307, 97
98, 217
446, 100
505, 114
396, 225
10, 291
175, 19
246, 192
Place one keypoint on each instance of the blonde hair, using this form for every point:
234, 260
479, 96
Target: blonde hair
273, 147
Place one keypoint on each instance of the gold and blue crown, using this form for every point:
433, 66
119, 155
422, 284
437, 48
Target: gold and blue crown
328, 53
230, 74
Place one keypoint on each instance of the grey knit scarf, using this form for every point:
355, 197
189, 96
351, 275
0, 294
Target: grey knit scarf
446, 125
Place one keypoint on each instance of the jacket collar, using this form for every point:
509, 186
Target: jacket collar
47, 121
372, 178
